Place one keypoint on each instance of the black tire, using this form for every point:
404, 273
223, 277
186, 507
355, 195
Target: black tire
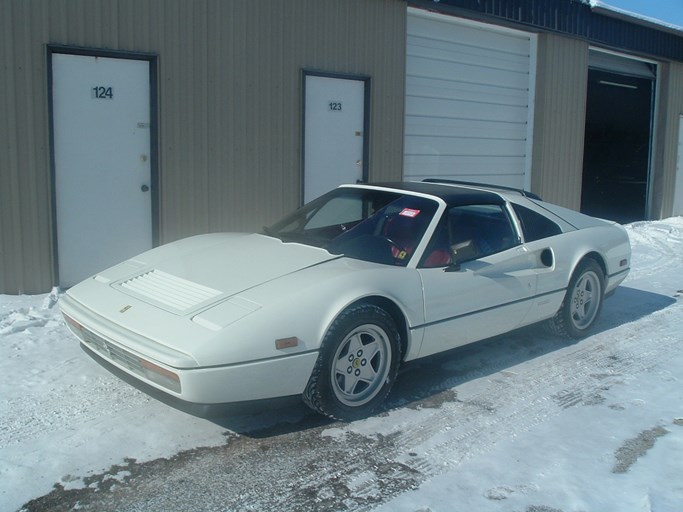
582, 303
357, 365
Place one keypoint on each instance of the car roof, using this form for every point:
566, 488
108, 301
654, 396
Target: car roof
451, 193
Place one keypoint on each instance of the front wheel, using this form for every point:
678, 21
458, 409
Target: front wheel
357, 365
582, 303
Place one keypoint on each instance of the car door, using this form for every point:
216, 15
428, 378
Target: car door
545, 241
488, 285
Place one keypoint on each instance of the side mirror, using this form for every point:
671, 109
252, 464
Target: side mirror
461, 252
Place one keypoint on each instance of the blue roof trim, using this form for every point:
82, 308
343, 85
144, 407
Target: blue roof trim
569, 17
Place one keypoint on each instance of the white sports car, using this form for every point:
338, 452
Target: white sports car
328, 302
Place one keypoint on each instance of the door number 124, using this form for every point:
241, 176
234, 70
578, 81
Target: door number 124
101, 92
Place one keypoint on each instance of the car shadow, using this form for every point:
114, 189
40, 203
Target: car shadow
429, 382
424, 383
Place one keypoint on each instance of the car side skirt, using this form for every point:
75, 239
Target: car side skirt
492, 308
448, 333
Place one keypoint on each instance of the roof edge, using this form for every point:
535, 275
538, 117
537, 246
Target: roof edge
605, 9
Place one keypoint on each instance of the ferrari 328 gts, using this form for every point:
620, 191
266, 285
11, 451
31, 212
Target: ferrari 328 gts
329, 301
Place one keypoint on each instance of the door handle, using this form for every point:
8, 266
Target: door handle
145, 188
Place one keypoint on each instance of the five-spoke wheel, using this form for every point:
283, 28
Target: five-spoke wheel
361, 365
582, 302
585, 299
357, 365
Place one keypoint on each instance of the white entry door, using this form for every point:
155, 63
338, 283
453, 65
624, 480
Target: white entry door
101, 130
334, 136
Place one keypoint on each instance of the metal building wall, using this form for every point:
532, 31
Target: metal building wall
25, 247
669, 109
559, 119
229, 105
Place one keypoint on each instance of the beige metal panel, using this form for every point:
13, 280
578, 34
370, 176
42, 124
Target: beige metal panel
559, 123
229, 105
25, 262
669, 108
245, 166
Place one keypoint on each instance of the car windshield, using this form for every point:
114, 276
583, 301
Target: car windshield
367, 224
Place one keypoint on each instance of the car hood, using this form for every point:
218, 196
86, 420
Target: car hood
195, 272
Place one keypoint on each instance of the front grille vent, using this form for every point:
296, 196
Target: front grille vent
122, 357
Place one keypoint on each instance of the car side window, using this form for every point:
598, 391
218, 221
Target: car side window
469, 232
534, 225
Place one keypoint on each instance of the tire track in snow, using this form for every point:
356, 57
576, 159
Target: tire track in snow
462, 412
328, 467
513, 402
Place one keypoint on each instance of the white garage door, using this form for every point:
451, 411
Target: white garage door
469, 101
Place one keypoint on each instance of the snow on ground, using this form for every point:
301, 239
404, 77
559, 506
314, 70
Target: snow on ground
63, 417
624, 451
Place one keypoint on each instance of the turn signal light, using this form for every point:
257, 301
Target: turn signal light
161, 376
286, 343
75, 327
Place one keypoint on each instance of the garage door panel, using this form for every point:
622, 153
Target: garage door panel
470, 34
455, 109
468, 73
470, 146
469, 97
461, 173
463, 165
440, 127
456, 89
464, 54
458, 173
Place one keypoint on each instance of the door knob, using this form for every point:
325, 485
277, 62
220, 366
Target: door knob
144, 188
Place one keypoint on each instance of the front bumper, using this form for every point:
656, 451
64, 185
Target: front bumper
239, 382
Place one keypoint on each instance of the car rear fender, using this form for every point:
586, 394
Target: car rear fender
609, 247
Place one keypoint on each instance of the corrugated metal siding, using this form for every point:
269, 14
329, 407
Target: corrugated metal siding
669, 109
229, 105
248, 106
559, 123
25, 249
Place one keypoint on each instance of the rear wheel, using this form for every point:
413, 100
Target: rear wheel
582, 303
357, 365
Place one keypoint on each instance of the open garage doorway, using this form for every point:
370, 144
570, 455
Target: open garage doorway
617, 148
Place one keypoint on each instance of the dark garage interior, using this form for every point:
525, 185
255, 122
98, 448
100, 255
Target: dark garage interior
617, 146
